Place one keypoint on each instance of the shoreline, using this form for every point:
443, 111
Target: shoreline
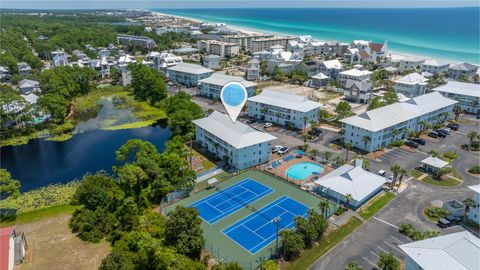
245, 30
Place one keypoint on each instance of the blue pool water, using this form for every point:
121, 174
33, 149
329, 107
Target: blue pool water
302, 170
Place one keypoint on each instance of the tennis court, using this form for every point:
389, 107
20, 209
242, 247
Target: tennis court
259, 229
225, 202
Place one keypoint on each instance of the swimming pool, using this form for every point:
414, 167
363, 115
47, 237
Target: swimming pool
301, 171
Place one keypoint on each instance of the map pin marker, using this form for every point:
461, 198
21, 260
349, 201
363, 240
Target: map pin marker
233, 96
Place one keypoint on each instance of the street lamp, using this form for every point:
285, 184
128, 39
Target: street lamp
277, 221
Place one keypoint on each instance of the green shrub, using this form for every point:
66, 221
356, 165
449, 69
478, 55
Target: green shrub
450, 155
339, 211
474, 169
397, 143
436, 212
414, 234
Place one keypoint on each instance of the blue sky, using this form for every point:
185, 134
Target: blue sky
169, 4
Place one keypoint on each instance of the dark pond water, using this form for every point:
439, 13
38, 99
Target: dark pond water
41, 162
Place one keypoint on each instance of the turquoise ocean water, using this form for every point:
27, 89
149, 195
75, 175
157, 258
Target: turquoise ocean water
442, 33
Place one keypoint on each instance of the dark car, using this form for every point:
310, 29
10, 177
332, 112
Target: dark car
433, 134
453, 126
444, 223
419, 141
453, 219
411, 144
251, 121
315, 132
441, 133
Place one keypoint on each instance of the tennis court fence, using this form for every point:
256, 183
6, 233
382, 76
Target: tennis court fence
221, 256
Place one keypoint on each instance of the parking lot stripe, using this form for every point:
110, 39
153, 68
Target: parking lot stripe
374, 254
389, 224
392, 246
374, 265
396, 239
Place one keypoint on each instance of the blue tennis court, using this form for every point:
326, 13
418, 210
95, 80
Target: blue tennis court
257, 230
225, 202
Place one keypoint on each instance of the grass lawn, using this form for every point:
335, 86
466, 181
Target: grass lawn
445, 182
455, 174
375, 205
415, 173
29, 217
207, 164
309, 256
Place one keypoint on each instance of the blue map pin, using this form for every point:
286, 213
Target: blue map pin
233, 96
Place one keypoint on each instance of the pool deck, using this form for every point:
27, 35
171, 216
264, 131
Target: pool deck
283, 167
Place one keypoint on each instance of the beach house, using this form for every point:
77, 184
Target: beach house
380, 127
462, 70
410, 63
358, 91
212, 86
27, 86
239, 145
411, 85
283, 109
59, 58
163, 60
24, 69
253, 70
467, 95
354, 75
459, 251
188, 74
435, 66
211, 61
350, 185
331, 68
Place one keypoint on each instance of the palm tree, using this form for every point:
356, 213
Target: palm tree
395, 169
438, 173
348, 146
328, 155
366, 164
402, 172
313, 124
323, 205
305, 129
314, 152
366, 139
395, 132
472, 135
348, 197
468, 203
423, 125
435, 153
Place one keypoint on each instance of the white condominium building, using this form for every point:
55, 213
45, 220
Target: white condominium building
467, 95
462, 70
380, 127
435, 66
264, 44
283, 109
354, 75
212, 86
188, 74
238, 144
411, 85
220, 48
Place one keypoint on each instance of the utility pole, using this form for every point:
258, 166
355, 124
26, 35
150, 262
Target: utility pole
276, 221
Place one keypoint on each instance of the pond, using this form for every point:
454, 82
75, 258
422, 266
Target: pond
39, 162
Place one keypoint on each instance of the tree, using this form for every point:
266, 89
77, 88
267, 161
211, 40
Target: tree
473, 136
98, 191
353, 266
395, 169
268, 265
318, 223
147, 84
366, 164
402, 172
182, 230
181, 111
328, 155
324, 206
440, 172
348, 198
366, 139
388, 262
55, 105
8, 187
343, 110
227, 266
457, 109
390, 97
292, 244
375, 103
348, 147
308, 232
468, 202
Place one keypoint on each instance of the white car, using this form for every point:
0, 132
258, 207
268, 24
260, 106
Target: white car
283, 151
276, 148
382, 172
267, 125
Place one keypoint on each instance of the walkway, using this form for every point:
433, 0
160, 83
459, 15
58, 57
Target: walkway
208, 175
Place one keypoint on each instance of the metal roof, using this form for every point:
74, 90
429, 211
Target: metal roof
190, 68
222, 79
284, 100
412, 78
399, 112
236, 134
456, 251
332, 64
461, 88
355, 72
475, 188
352, 180
435, 162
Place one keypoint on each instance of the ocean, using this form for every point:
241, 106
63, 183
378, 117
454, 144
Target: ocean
440, 33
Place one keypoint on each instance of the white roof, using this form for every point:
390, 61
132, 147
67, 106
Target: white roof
467, 89
412, 78
464, 66
31, 98
332, 64
435, 162
26, 83
321, 76
399, 112
391, 69
190, 68
435, 63
236, 134
475, 188
352, 180
222, 79
284, 100
356, 72
456, 251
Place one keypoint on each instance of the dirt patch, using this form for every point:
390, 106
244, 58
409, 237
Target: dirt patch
51, 245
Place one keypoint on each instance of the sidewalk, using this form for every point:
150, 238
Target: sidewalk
208, 175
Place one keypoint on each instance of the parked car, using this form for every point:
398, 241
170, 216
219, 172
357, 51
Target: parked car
453, 219
267, 125
448, 221
453, 126
433, 134
283, 151
381, 172
170, 83
446, 130
251, 121
411, 144
441, 133
276, 148
419, 141
315, 132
